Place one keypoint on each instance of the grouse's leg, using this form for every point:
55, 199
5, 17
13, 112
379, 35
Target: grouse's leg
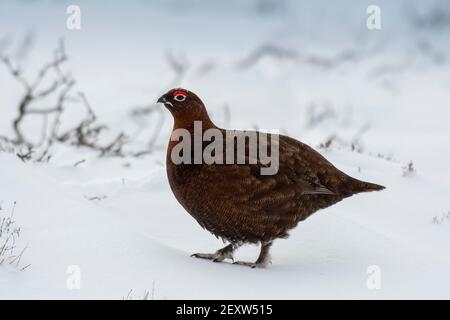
219, 255
263, 259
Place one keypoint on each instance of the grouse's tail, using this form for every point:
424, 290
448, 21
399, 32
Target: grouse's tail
368, 187
355, 186
363, 186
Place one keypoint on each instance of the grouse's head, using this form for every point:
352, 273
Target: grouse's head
183, 103
186, 108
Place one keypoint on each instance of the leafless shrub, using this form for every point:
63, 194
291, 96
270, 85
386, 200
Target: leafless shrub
270, 7
129, 296
324, 113
25, 45
284, 54
385, 157
53, 83
179, 65
5, 42
87, 132
205, 68
35, 90
409, 170
353, 145
327, 143
84, 134
263, 51
317, 113
6, 145
333, 61
436, 17
25, 153
392, 68
9, 234
96, 198
76, 164
146, 296
441, 219
152, 109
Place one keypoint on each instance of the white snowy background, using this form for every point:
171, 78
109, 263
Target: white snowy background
311, 69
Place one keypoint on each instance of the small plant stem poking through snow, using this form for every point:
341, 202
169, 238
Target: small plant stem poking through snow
145, 296
443, 218
409, 170
9, 235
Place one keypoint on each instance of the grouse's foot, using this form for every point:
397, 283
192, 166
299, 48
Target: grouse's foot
218, 256
263, 259
215, 257
252, 265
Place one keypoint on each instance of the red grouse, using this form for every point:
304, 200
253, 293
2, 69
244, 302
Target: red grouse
235, 200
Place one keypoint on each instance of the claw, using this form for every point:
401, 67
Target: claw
215, 257
248, 264
209, 256
219, 255
252, 265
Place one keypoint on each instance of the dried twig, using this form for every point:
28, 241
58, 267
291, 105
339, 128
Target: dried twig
79, 162
87, 132
9, 233
34, 91
179, 66
280, 53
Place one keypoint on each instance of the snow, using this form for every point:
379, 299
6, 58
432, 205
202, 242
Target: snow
116, 218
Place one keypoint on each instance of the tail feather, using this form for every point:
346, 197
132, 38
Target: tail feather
363, 186
355, 186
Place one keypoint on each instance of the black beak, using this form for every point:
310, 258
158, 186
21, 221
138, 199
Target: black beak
162, 99
166, 103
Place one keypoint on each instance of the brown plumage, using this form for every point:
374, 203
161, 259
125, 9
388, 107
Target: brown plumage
240, 205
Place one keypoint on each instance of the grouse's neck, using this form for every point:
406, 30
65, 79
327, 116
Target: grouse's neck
189, 122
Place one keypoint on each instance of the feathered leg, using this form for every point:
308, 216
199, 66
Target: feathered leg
219, 255
263, 259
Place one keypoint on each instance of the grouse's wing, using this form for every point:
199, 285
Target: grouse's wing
302, 172
304, 182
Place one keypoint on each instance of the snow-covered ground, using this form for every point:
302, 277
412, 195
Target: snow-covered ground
114, 222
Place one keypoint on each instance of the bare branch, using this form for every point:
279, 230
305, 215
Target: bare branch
33, 92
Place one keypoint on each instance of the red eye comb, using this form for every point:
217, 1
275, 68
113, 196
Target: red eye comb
180, 92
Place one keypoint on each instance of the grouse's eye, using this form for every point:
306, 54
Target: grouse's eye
180, 97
